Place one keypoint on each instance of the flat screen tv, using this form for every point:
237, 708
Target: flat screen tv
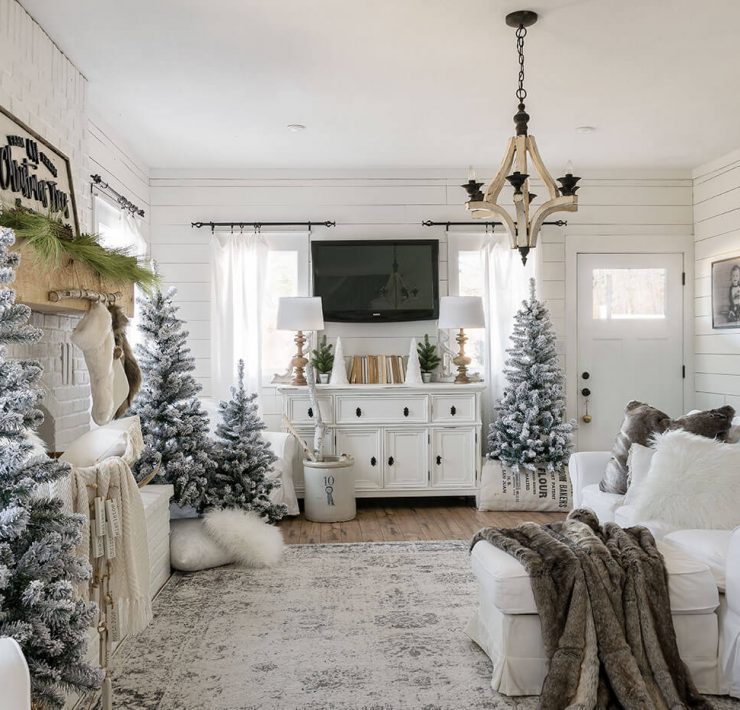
377, 281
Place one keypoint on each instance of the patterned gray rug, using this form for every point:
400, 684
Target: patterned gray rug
371, 626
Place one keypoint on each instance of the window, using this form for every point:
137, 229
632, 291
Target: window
119, 230
636, 294
467, 278
287, 275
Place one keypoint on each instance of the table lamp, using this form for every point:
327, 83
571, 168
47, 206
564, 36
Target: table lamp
300, 313
461, 312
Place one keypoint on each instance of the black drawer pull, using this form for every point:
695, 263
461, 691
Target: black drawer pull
310, 412
358, 412
405, 411
373, 461
453, 410
390, 461
439, 460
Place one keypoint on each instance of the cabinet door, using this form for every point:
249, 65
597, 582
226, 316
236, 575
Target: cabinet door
454, 458
406, 458
364, 445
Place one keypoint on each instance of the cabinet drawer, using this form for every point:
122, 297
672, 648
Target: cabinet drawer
453, 408
300, 410
383, 409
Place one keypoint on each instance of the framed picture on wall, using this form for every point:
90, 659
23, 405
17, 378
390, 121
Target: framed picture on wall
726, 293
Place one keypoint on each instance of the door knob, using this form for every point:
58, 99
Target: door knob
453, 410
390, 461
405, 411
358, 412
310, 412
373, 461
586, 375
586, 392
439, 460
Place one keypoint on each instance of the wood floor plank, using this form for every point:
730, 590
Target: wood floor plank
390, 520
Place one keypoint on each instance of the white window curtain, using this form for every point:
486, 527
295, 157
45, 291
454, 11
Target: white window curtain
506, 285
238, 273
250, 272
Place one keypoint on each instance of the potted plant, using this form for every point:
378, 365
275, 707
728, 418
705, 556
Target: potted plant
323, 360
428, 358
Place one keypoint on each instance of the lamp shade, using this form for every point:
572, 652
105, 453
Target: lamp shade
300, 313
461, 312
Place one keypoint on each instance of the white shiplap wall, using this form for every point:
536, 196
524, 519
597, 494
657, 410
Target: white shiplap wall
376, 204
716, 236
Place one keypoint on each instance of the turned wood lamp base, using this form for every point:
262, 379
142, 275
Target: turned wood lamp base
462, 360
299, 362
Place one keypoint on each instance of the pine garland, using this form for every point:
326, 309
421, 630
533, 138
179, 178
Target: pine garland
530, 429
52, 241
39, 566
243, 458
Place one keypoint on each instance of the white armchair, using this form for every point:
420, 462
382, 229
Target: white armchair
586, 468
730, 629
15, 680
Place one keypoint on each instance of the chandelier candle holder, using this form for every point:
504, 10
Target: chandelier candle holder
524, 229
300, 314
461, 312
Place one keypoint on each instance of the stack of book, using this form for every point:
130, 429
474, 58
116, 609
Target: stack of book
377, 370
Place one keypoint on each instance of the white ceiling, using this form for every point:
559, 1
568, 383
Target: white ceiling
402, 83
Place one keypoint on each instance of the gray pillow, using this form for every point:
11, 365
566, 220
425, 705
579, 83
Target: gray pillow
641, 422
714, 423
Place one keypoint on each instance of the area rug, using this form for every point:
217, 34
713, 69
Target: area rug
371, 626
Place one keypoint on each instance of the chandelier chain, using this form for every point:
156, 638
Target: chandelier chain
521, 33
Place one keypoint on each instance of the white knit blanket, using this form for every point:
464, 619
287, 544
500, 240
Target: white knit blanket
112, 480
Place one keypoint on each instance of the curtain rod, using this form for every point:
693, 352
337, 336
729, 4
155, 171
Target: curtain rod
480, 223
124, 202
258, 225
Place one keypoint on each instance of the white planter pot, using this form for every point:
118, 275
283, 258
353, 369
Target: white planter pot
324, 378
329, 494
426, 377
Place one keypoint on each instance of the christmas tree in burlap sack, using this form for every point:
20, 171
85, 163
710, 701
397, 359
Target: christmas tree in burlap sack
174, 425
530, 429
243, 458
39, 567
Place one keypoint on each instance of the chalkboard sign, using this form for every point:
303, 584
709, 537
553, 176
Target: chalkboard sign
34, 172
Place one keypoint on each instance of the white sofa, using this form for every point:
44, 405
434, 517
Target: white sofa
719, 550
15, 681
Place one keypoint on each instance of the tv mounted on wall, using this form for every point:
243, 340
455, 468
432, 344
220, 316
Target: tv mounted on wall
377, 281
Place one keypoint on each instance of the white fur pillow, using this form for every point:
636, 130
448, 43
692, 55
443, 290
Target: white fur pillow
193, 549
638, 465
96, 445
694, 482
249, 539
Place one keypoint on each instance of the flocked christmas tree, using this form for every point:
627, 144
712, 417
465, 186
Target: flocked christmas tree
174, 425
39, 567
530, 429
243, 458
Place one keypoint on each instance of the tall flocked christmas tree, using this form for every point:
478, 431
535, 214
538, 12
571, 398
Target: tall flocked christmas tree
39, 568
530, 429
174, 425
243, 458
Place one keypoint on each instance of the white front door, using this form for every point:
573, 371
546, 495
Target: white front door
630, 340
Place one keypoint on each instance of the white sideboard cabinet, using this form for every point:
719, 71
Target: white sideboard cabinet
407, 440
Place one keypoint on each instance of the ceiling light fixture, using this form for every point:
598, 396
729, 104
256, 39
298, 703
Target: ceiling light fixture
524, 231
296, 127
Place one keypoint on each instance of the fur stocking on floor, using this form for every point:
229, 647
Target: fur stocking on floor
250, 540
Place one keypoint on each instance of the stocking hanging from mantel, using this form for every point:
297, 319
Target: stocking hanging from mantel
125, 353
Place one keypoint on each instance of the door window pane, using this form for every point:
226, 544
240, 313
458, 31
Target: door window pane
622, 294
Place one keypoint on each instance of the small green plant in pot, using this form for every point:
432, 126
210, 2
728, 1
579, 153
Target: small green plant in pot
322, 359
428, 358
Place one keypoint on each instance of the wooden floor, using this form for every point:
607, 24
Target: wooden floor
388, 520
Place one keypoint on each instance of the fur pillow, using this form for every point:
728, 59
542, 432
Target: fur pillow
246, 536
638, 463
694, 482
641, 422
714, 423
193, 549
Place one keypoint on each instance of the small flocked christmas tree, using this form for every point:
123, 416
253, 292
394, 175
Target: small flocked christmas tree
530, 430
174, 425
39, 567
243, 458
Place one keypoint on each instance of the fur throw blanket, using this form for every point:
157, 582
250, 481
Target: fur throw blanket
602, 597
